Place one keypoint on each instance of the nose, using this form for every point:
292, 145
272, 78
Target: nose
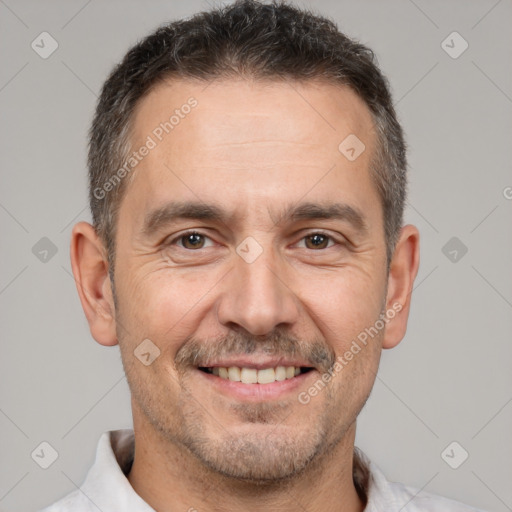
257, 296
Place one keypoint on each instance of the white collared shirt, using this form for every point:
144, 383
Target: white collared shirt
107, 489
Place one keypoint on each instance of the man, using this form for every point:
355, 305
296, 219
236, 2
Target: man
247, 185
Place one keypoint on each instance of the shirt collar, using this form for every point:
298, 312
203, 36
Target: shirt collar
106, 484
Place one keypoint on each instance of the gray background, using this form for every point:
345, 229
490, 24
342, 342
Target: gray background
449, 380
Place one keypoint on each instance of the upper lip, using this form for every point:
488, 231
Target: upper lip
257, 363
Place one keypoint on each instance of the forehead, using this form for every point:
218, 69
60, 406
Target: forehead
266, 140
298, 112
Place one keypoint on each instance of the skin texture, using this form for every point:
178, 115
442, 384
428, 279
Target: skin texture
252, 148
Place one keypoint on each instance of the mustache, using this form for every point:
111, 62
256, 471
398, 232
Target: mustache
195, 352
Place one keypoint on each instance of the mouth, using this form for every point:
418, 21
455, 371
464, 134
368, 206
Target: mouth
256, 376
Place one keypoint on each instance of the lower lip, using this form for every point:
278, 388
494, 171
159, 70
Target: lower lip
256, 392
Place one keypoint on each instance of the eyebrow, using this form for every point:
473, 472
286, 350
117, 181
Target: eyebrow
330, 211
174, 211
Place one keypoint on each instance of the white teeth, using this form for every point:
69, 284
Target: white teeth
249, 375
266, 376
253, 376
280, 373
234, 373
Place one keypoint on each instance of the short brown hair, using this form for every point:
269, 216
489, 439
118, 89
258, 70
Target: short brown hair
245, 39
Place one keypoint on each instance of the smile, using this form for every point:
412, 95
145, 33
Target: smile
247, 375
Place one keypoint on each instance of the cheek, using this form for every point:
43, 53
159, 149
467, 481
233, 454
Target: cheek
164, 305
346, 303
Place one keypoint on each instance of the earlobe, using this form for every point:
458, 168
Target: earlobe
403, 270
90, 268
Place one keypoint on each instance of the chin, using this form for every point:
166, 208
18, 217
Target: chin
258, 453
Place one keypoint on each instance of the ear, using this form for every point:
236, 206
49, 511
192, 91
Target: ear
90, 268
403, 269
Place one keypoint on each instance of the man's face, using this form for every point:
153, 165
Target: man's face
259, 287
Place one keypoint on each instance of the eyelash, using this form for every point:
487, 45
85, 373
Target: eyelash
194, 232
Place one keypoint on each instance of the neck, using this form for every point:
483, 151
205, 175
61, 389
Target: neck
168, 477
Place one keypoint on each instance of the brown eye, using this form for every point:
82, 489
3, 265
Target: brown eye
317, 241
192, 240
